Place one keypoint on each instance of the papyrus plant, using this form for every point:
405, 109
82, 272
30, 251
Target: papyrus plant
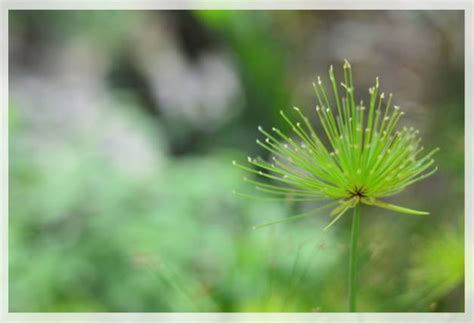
365, 156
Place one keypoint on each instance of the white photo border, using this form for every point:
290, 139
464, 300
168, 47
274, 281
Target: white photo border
465, 5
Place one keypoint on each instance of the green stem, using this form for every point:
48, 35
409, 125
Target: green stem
353, 259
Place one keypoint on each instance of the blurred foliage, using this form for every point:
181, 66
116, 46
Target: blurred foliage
438, 266
117, 204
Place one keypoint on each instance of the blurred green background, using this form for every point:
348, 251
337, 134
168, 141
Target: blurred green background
122, 129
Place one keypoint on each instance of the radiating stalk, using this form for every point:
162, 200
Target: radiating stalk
353, 259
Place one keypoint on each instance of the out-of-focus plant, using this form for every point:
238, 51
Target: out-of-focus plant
367, 157
438, 267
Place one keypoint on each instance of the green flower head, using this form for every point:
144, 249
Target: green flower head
363, 156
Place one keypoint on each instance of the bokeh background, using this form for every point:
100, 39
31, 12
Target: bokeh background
122, 129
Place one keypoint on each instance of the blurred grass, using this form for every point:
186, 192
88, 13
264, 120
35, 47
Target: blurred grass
106, 216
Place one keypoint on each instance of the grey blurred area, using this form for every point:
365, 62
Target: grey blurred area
123, 126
